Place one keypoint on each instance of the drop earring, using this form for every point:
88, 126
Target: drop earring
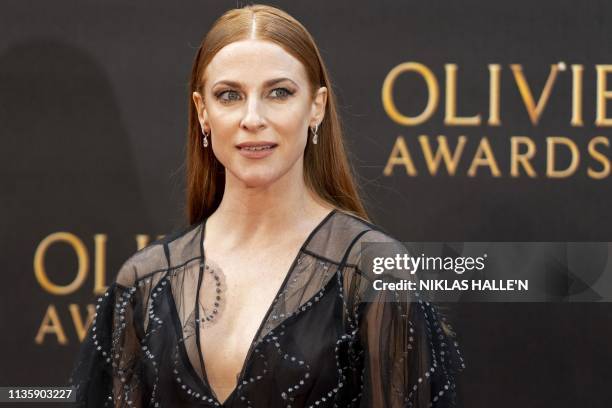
205, 139
314, 134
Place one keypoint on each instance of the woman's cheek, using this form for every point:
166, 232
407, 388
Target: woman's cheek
223, 150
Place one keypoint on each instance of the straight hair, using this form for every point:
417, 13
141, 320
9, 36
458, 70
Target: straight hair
326, 168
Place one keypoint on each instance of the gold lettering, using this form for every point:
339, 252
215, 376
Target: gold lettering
442, 153
494, 94
387, 93
605, 162
603, 94
551, 142
451, 117
484, 157
80, 327
577, 71
100, 264
400, 155
142, 240
39, 264
51, 325
534, 110
517, 158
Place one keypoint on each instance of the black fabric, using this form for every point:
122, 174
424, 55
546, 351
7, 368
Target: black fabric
328, 339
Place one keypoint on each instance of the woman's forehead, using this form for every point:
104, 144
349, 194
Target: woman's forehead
253, 62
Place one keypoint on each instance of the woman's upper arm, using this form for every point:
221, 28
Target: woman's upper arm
410, 355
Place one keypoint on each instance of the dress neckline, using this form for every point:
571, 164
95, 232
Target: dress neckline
249, 353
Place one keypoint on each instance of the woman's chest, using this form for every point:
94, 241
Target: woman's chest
235, 299
301, 359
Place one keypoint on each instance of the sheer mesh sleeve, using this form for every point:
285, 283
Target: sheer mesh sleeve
410, 354
108, 368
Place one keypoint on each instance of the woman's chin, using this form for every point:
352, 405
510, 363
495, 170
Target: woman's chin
254, 180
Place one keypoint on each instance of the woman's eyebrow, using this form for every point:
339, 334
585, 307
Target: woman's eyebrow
269, 82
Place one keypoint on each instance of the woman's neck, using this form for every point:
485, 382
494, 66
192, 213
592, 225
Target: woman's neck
254, 216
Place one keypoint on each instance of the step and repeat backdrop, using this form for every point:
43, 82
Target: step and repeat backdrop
465, 121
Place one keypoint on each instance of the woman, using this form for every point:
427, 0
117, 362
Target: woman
261, 301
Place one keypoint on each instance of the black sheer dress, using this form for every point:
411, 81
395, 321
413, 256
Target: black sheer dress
327, 340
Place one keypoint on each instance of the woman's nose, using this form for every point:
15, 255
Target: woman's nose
253, 118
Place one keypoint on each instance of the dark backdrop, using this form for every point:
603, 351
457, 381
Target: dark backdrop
93, 99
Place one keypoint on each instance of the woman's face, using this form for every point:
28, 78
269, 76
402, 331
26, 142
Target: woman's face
256, 93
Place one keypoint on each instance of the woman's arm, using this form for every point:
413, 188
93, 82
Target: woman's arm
410, 356
108, 369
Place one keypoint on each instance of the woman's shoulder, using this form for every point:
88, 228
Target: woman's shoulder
349, 237
362, 230
171, 249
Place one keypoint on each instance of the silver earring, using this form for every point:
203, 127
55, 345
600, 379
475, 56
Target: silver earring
205, 139
314, 134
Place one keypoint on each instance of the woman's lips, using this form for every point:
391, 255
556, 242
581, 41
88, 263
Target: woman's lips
256, 150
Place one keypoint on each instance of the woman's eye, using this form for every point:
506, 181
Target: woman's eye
281, 93
228, 96
231, 95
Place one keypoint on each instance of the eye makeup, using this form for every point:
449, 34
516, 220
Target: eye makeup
281, 92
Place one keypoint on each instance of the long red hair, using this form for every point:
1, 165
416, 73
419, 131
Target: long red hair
326, 169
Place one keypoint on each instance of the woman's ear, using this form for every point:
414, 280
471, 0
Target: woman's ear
198, 101
318, 106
